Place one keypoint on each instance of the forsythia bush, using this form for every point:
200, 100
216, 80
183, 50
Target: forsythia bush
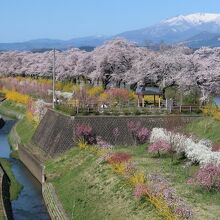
17, 97
212, 110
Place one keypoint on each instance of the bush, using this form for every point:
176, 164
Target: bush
143, 135
140, 191
85, 132
160, 146
140, 134
207, 177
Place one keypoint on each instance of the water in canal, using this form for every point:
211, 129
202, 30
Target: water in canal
29, 205
217, 100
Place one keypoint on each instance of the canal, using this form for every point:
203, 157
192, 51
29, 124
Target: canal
30, 204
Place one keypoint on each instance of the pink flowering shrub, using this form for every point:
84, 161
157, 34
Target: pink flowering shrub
160, 146
216, 147
85, 132
143, 135
140, 134
207, 177
140, 190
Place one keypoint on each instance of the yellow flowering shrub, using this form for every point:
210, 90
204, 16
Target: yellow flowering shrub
137, 178
212, 110
95, 91
17, 97
161, 206
119, 168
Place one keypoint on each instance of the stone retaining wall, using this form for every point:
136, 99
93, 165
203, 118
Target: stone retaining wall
56, 132
52, 202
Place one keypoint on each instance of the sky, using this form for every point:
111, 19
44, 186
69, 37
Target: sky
22, 20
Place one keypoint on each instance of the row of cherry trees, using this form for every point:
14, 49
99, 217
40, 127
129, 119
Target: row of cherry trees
122, 63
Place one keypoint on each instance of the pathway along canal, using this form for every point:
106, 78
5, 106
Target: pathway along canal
30, 204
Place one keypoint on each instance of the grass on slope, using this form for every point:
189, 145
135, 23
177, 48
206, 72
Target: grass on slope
92, 191
205, 128
14, 106
15, 186
25, 130
87, 189
12, 109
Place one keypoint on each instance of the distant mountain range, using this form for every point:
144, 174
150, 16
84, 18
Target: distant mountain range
194, 30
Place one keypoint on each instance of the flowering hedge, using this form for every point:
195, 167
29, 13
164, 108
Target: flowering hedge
197, 152
17, 97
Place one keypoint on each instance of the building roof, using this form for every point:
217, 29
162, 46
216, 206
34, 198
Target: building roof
141, 90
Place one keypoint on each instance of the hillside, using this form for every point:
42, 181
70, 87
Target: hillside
91, 190
179, 29
88, 190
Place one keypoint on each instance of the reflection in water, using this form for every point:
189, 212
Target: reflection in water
29, 205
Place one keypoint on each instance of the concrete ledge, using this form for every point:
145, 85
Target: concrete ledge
2, 206
54, 207
33, 164
5, 203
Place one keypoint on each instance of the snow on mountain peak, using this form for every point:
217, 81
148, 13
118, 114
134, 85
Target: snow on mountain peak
193, 19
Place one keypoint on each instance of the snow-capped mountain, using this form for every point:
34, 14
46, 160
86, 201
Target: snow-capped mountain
193, 19
194, 30
176, 29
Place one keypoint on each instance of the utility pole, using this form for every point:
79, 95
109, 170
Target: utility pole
54, 57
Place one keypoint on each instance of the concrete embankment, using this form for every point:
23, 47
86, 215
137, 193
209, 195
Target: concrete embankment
56, 132
2, 122
5, 203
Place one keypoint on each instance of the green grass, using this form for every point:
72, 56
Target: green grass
12, 109
15, 186
205, 128
14, 106
25, 130
88, 190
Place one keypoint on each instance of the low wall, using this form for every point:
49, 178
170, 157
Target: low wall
2, 122
56, 132
34, 165
5, 203
52, 202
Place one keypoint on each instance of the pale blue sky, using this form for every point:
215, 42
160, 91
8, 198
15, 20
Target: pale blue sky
22, 20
